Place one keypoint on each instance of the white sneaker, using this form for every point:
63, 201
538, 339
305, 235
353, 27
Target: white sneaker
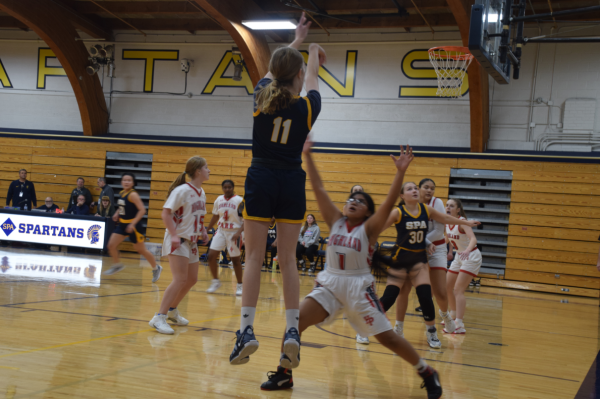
432, 337
176, 318
156, 273
238, 290
448, 322
362, 340
398, 329
460, 329
116, 268
159, 321
215, 285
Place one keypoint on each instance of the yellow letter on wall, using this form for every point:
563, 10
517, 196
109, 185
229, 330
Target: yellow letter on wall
218, 80
345, 88
149, 56
4, 77
424, 73
44, 70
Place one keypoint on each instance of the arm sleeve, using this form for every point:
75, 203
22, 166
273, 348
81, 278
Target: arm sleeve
9, 195
175, 200
33, 196
314, 103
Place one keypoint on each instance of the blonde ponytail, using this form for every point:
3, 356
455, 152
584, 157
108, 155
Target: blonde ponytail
285, 64
192, 165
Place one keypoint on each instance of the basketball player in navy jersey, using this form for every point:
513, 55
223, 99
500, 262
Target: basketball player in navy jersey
275, 184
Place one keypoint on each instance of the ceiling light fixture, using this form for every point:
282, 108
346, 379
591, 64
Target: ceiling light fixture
270, 25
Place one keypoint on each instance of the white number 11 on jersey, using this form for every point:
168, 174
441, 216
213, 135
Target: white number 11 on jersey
286, 130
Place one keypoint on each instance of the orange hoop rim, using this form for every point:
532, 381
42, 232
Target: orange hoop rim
465, 56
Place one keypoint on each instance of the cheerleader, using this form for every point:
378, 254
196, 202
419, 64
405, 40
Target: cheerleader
465, 266
275, 182
183, 216
226, 212
129, 214
409, 259
436, 258
347, 284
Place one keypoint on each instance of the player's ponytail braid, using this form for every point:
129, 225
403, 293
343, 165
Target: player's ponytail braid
192, 165
284, 66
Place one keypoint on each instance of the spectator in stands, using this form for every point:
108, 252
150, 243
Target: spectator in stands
356, 188
308, 243
80, 190
106, 208
49, 205
80, 207
21, 192
107, 191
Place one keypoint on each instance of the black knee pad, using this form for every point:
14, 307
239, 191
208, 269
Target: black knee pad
426, 301
389, 296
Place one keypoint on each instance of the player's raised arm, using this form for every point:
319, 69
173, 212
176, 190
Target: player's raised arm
376, 223
329, 211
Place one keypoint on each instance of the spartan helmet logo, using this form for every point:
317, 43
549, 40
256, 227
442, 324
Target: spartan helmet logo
93, 234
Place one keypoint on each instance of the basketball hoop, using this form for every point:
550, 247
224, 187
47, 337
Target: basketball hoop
450, 64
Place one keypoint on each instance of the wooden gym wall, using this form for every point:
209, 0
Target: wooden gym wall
554, 219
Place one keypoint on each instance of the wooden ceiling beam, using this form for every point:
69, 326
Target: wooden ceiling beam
479, 96
252, 44
146, 24
52, 23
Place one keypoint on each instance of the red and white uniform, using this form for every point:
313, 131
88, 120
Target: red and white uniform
460, 241
435, 235
347, 285
230, 222
188, 206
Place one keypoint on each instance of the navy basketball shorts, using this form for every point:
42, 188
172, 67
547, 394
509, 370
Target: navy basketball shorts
275, 192
135, 236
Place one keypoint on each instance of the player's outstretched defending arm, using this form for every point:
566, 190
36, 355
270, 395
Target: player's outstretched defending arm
376, 223
447, 219
329, 211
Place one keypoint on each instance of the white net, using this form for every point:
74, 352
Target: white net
450, 66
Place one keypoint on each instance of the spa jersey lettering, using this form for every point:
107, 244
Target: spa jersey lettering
412, 229
348, 248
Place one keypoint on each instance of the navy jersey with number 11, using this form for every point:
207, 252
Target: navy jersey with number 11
281, 136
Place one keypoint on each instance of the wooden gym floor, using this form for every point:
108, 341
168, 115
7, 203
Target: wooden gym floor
81, 336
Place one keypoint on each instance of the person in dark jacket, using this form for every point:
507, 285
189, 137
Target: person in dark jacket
80, 207
21, 192
106, 208
49, 205
107, 191
80, 190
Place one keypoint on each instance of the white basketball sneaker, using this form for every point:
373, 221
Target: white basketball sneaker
176, 318
460, 328
238, 290
215, 285
362, 340
399, 329
432, 337
159, 321
449, 326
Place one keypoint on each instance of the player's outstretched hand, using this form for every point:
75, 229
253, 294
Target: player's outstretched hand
307, 145
321, 53
302, 28
404, 159
473, 223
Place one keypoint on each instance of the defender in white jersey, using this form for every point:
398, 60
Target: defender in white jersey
347, 284
436, 259
183, 216
228, 213
465, 266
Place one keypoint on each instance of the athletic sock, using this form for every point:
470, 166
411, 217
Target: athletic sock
430, 328
247, 318
453, 314
421, 366
292, 316
171, 309
458, 321
399, 324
